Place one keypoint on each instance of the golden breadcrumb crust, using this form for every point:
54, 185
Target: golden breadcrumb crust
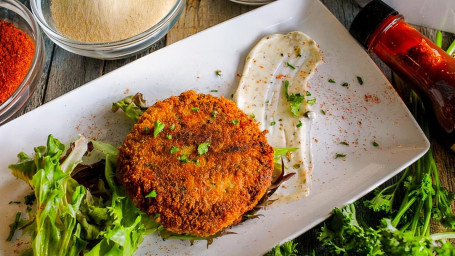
205, 193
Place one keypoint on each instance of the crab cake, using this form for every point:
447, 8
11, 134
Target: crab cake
196, 160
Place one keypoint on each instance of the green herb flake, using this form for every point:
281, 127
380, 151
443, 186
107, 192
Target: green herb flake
151, 194
331, 81
311, 101
30, 199
295, 99
183, 159
196, 162
158, 128
308, 93
214, 113
235, 121
14, 202
299, 124
174, 149
289, 65
267, 101
344, 143
375, 144
219, 72
169, 136
323, 111
272, 123
150, 165
172, 127
146, 130
213, 90
203, 148
345, 84
253, 116
360, 80
14, 226
195, 109
340, 156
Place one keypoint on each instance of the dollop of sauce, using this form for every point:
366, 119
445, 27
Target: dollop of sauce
276, 60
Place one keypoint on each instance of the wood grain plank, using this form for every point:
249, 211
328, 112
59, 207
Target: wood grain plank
202, 14
111, 65
69, 71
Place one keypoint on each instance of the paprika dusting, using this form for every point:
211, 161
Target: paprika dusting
16, 55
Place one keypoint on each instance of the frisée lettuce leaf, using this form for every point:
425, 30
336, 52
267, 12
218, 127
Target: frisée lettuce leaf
69, 218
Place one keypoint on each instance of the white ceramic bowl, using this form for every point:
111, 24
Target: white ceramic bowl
111, 50
252, 2
16, 13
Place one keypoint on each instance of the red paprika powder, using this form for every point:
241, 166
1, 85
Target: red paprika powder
16, 56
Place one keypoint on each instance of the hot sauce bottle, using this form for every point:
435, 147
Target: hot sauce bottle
428, 69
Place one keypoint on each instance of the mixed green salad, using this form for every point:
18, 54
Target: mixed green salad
79, 207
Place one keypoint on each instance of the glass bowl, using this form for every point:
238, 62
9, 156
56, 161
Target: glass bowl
16, 13
111, 50
252, 2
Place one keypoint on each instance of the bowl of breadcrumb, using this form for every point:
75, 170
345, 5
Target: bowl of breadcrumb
106, 29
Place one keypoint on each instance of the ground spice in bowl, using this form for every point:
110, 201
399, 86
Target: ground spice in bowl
16, 55
102, 21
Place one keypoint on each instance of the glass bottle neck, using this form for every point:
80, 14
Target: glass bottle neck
382, 28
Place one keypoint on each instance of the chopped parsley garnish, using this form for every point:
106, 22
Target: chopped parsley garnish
345, 84
311, 101
298, 51
235, 121
289, 65
360, 80
299, 124
340, 155
174, 149
218, 72
172, 127
151, 194
150, 165
14, 226
214, 91
158, 128
194, 109
295, 99
30, 199
146, 130
183, 159
272, 123
169, 137
267, 101
203, 148
323, 111
344, 143
331, 81
214, 113
253, 116
375, 144
14, 202
308, 93
196, 162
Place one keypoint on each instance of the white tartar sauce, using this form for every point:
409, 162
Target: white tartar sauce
274, 61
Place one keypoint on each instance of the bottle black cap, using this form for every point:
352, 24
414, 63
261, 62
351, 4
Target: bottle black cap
369, 19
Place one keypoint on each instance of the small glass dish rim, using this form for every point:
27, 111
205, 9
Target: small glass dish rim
16, 100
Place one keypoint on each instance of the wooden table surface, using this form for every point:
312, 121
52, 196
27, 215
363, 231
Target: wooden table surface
64, 71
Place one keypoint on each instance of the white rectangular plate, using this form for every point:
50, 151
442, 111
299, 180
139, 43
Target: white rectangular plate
357, 114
